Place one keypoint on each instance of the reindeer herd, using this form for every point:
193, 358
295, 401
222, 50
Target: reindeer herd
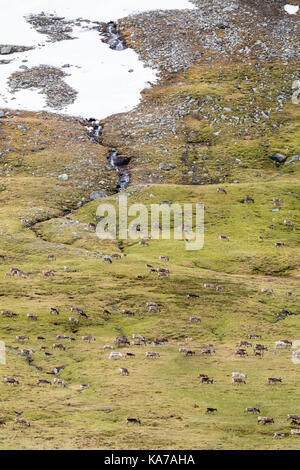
243, 348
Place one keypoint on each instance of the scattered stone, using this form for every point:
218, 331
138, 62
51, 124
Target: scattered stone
97, 195
63, 177
278, 157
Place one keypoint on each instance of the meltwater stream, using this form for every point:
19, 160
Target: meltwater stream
116, 162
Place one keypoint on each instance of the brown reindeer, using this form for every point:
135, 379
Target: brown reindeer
43, 382
133, 421
22, 421
8, 313
10, 380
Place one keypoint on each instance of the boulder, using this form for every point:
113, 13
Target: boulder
278, 158
97, 195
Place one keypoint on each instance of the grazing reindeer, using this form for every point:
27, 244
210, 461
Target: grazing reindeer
88, 338
127, 312
74, 320
189, 352
254, 336
31, 316
265, 420
58, 346
274, 380
21, 337
206, 380
264, 290
122, 340
152, 354
239, 374
195, 319
43, 382
123, 371
60, 382
48, 273
241, 352
224, 237
133, 421
54, 311
221, 190
9, 380
252, 409
8, 313
237, 380
115, 355
293, 417
22, 421
211, 410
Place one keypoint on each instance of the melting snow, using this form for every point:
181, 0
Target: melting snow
98, 73
291, 9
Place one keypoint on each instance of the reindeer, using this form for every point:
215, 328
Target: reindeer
21, 337
224, 237
241, 352
22, 421
221, 190
60, 382
8, 313
43, 382
54, 311
127, 312
48, 273
252, 409
264, 290
123, 371
31, 316
195, 319
265, 420
9, 380
237, 380
274, 380
88, 338
58, 346
133, 421
152, 354
122, 340
206, 380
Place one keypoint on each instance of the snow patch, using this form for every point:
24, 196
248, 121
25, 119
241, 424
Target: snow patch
100, 75
291, 9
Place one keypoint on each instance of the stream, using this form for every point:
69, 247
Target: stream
116, 162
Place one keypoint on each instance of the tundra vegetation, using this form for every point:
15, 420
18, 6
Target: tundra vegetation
196, 346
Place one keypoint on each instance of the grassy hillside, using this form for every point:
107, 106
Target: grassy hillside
214, 124
163, 392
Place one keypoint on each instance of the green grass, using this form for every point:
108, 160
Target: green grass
164, 393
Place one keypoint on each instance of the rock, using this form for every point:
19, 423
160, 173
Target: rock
6, 50
2, 113
165, 167
278, 157
293, 159
63, 177
97, 195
